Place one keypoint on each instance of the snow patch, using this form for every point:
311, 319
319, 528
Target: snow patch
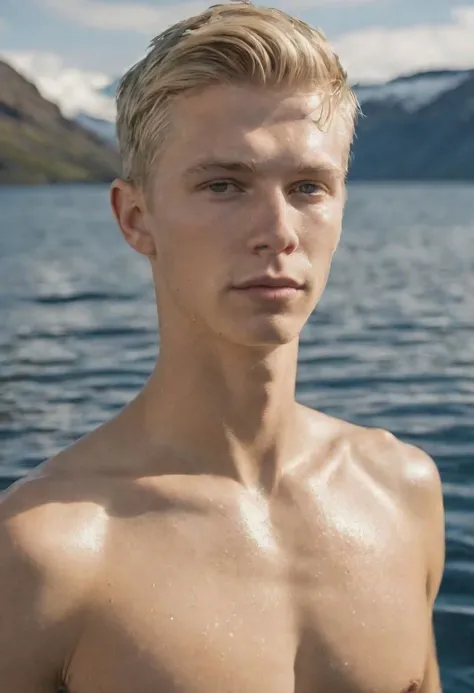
412, 94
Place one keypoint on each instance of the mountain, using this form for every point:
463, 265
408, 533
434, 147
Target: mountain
101, 126
105, 129
39, 145
416, 127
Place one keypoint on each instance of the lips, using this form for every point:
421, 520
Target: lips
279, 290
268, 282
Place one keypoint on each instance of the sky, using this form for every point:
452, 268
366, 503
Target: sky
71, 48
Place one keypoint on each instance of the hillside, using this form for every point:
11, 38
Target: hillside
415, 127
39, 145
419, 127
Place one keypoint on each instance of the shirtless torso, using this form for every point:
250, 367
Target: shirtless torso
291, 553
120, 580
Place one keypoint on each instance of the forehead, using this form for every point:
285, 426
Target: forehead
226, 121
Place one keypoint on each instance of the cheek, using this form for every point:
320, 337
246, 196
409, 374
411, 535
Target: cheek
190, 260
322, 234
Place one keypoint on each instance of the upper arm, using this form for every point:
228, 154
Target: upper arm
425, 498
415, 482
425, 495
42, 594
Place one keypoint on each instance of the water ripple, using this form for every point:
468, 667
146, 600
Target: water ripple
391, 344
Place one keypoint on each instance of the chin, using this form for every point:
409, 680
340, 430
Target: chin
264, 333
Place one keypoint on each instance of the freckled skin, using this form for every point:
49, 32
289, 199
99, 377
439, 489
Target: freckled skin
221, 536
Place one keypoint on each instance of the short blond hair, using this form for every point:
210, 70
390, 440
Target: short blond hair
226, 44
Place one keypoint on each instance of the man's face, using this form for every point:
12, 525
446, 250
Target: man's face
273, 206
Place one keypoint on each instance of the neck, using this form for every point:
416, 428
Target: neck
226, 410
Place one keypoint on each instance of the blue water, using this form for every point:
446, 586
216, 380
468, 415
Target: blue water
391, 343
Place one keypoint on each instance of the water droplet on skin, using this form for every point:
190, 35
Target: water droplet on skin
171, 618
231, 635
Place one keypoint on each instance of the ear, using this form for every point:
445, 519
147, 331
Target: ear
129, 208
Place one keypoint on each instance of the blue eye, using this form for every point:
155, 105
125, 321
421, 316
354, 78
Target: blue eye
220, 186
315, 188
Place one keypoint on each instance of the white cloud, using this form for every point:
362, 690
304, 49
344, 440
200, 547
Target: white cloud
73, 90
374, 54
142, 18
380, 53
151, 19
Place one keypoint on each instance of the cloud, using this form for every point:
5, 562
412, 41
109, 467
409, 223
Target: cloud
141, 18
151, 19
370, 55
73, 90
380, 53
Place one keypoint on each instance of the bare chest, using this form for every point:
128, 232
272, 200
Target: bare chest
317, 606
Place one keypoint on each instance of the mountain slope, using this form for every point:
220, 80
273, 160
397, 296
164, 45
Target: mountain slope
39, 145
415, 127
419, 127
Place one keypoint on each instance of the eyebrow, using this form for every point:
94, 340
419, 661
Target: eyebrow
251, 167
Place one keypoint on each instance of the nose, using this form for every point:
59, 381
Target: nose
272, 228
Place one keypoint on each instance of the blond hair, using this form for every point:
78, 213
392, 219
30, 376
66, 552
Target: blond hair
226, 44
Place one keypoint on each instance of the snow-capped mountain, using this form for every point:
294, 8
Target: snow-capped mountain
413, 92
415, 127
409, 93
418, 126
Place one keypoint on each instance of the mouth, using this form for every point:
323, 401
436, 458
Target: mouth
272, 293
271, 288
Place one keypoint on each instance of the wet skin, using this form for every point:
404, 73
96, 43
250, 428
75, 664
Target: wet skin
216, 535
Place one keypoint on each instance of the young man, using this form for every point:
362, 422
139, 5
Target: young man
217, 535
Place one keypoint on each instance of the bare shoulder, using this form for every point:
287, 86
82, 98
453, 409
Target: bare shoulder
52, 517
411, 478
52, 532
405, 470
60, 513
52, 529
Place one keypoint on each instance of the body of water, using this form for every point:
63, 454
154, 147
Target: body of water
391, 343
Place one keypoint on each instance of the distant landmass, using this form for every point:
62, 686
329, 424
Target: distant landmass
39, 145
418, 127
415, 127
